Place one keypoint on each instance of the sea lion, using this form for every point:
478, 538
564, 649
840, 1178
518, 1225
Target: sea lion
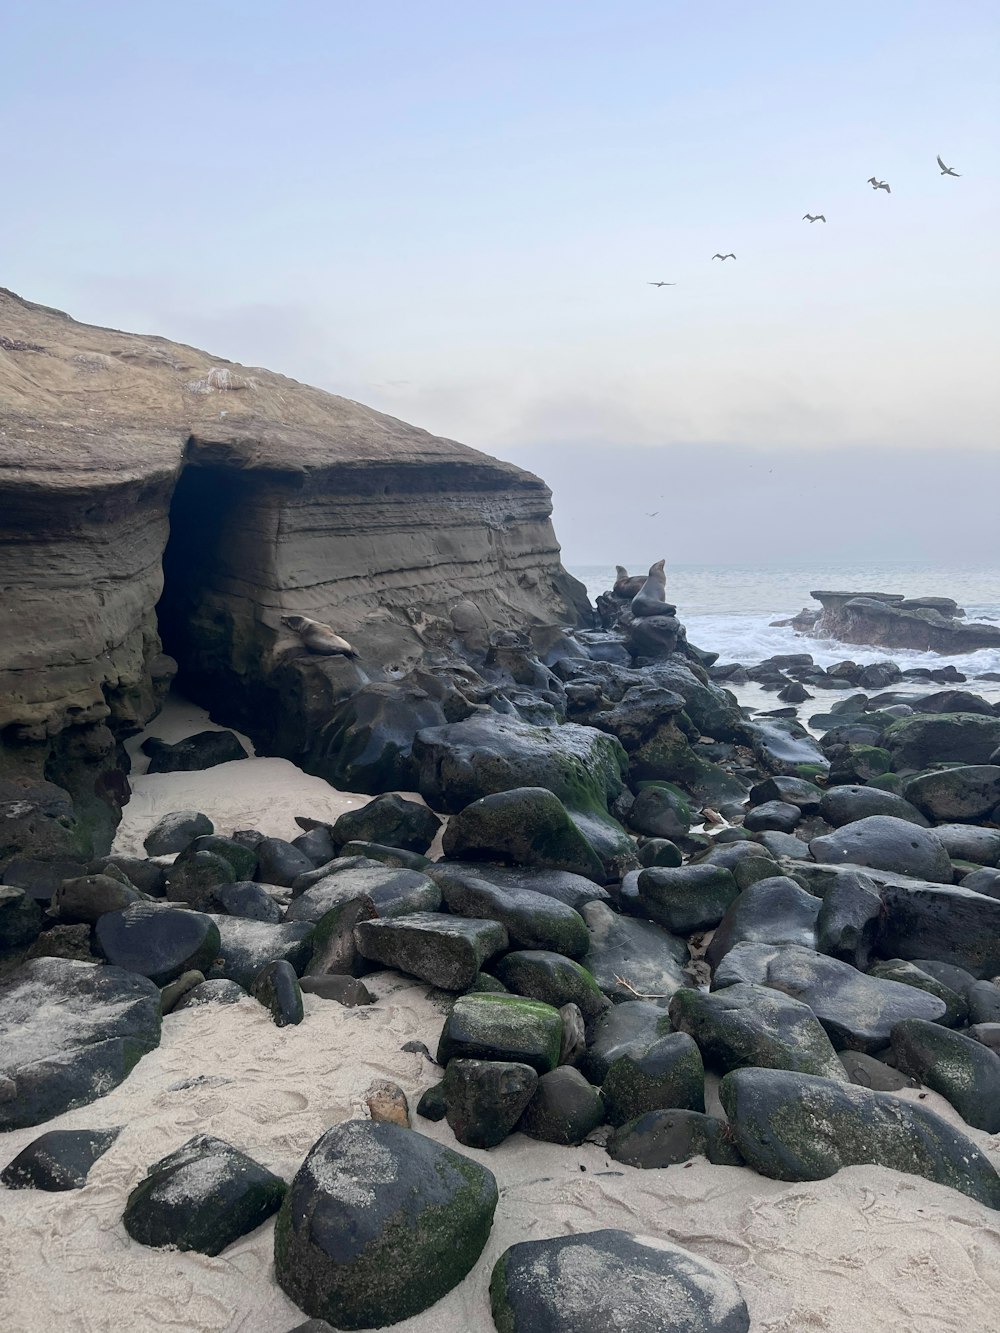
626, 584
318, 638
651, 599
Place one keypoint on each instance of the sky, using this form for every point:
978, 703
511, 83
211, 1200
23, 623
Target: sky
452, 212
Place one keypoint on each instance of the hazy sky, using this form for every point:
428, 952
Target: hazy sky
451, 211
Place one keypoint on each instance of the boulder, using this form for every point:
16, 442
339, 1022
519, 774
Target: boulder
774, 911
886, 843
532, 920
664, 1138
348, 991
600, 1280
773, 817
798, 1127
176, 832
573, 890
20, 919
211, 992
553, 979
670, 1073
523, 826
203, 750
790, 791
967, 842
748, 862
59, 1159
280, 862
564, 1108
276, 987
484, 1099
660, 811
848, 922
390, 819
750, 1025
157, 942
941, 922
247, 946
250, 901
379, 1223
963, 1071
202, 1197
688, 898
446, 951
69, 1033
917, 742
968, 792
857, 1011
88, 897
848, 804
908, 974
783, 746
195, 876
983, 999
502, 1027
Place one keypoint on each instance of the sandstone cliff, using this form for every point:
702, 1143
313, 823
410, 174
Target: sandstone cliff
124, 456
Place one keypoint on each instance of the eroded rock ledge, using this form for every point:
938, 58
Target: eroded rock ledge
155, 497
890, 620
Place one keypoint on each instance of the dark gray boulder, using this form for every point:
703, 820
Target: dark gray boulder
211, 992
773, 816
395, 857
241, 858
202, 1197
748, 862
195, 876
985, 881
749, 1025
564, 1108
968, 792
348, 991
634, 1284
908, 974
868, 1072
502, 1027
660, 811
573, 890
782, 746
967, 842
532, 920
772, 911
176, 832
157, 942
925, 739
484, 1099
379, 1223
69, 1033
446, 951
983, 999
664, 1138
553, 979
280, 862
688, 898
249, 900
88, 897
525, 826
848, 922
203, 750
793, 791
942, 922
799, 1127
20, 919
886, 843
963, 1071
857, 1011
276, 987
390, 819
847, 804
60, 1159
644, 955
247, 946
659, 852
670, 1073
629, 1028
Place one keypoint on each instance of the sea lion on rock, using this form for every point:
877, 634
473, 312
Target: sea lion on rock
651, 599
626, 584
318, 638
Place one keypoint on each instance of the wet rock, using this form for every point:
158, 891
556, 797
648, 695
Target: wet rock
945, 923
379, 1223
886, 843
348, 991
634, 1284
848, 922
389, 819
790, 791
247, 946
250, 901
176, 832
69, 1032
60, 1159
157, 942
279, 862
431, 1104
749, 1025
857, 1011
394, 857
316, 844
195, 876
966, 842
20, 919
204, 750
446, 951
664, 1138
276, 987
773, 816
202, 1197
986, 882
848, 804
688, 898
89, 897
525, 826
484, 1099
772, 911
917, 742
553, 979
799, 1127
573, 890
867, 1072
574, 1036
983, 999
145, 875
988, 1034
241, 859
661, 812
368, 742
630, 956
747, 862
659, 852
908, 974
968, 792
532, 920
964, 1072
564, 1108
502, 1027
782, 746
670, 1073
211, 992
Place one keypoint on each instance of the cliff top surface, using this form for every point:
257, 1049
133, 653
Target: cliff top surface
80, 404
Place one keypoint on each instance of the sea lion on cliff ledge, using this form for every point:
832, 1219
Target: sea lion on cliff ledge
318, 638
626, 584
651, 599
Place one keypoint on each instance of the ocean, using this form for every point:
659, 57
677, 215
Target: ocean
727, 609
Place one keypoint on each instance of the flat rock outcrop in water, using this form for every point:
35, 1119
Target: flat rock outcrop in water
890, 620
131, 467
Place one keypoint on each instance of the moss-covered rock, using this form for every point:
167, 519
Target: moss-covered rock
663, 1138
484, 1099
447, 951
925, 739
502, 1027
532, 920
687, 898
553, 979
523, 826
963, 1071
670, 1073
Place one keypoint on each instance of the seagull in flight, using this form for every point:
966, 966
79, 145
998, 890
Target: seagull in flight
879, 185
946, 171
661, 284
813, 217
723, 257
653, 514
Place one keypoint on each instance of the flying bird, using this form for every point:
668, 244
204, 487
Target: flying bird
653, 514
661, 284
813, 217
946, 171
723, 257
878, 185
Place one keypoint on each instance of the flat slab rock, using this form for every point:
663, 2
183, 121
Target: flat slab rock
70, 1032
602, 1280
379, 1223
446, 951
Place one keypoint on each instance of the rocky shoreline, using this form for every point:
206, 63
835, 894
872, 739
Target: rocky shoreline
597, 912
